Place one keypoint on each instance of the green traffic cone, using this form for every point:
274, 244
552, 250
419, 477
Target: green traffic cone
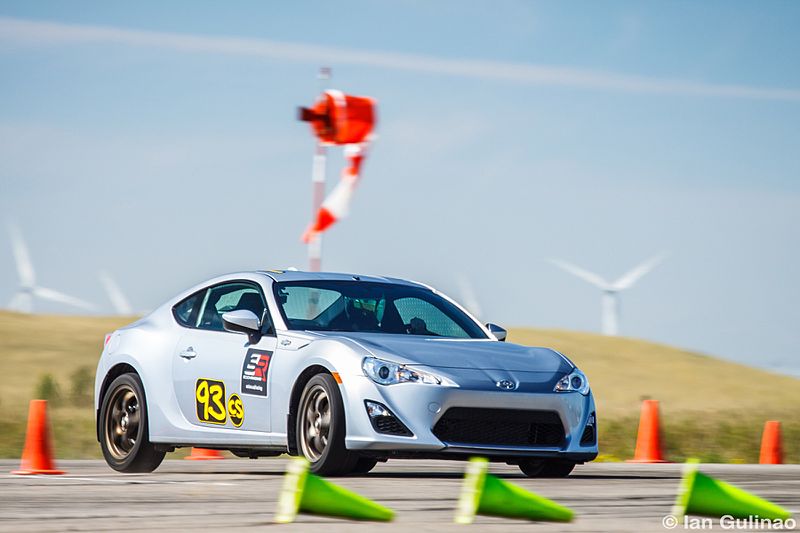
304, 492
703, 495
483, 493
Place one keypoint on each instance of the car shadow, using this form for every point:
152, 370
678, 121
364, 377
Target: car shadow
381, 474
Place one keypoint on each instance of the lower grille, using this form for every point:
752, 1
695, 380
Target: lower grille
506, 427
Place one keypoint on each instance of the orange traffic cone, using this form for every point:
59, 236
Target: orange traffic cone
771, 448
648, 441
37, 457
204, 454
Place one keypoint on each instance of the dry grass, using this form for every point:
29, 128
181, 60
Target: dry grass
711, 408
32, 345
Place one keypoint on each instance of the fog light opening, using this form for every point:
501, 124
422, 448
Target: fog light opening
375, 409
384, 421
589, 436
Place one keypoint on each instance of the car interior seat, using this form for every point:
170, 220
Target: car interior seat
251, 301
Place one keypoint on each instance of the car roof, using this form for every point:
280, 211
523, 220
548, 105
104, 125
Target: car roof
300, 275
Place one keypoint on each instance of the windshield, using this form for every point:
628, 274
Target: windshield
361, 306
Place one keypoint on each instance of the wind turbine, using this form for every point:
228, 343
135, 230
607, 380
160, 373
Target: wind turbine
121, 304
611, 290
22, 301
468, 297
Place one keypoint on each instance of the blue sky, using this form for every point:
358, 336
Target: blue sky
163, 147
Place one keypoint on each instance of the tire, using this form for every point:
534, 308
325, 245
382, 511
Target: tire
546, 469
321, 428
124, 433
364, 465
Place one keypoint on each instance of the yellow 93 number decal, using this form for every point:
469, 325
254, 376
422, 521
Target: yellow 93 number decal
210, 401
236, 410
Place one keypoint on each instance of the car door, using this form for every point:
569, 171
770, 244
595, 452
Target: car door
220, 377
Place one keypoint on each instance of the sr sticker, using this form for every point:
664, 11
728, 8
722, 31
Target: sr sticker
236, 410
255, 371
209, 395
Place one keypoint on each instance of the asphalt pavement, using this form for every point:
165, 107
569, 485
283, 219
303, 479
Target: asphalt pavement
241, 494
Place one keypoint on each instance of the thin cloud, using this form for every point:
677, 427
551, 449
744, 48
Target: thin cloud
37, 33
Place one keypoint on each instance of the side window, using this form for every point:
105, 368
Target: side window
231, 297
425, 318
185, 312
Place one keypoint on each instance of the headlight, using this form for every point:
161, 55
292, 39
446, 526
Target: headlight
388, 373
573, 382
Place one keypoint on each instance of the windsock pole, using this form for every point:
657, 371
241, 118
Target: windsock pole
318, 171
317, 196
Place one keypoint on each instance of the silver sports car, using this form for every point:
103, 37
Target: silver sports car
346, 370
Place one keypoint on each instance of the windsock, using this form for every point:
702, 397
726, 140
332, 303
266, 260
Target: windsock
337, 204
342, 120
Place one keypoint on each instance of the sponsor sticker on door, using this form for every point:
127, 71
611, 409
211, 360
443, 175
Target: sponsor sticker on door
255, 371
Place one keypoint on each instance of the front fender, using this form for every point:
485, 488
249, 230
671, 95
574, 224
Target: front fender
290, 370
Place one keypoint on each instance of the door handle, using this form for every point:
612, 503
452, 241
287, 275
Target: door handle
188, 353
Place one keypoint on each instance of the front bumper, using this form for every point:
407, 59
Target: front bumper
419, 407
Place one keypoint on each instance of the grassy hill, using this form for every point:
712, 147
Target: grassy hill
624, 371
711, 408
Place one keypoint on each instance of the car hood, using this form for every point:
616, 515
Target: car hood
478, 354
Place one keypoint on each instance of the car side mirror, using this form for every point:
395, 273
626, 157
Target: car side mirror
242, 321
499, 333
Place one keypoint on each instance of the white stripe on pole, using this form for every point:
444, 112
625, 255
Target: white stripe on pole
317, 196
318, 171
